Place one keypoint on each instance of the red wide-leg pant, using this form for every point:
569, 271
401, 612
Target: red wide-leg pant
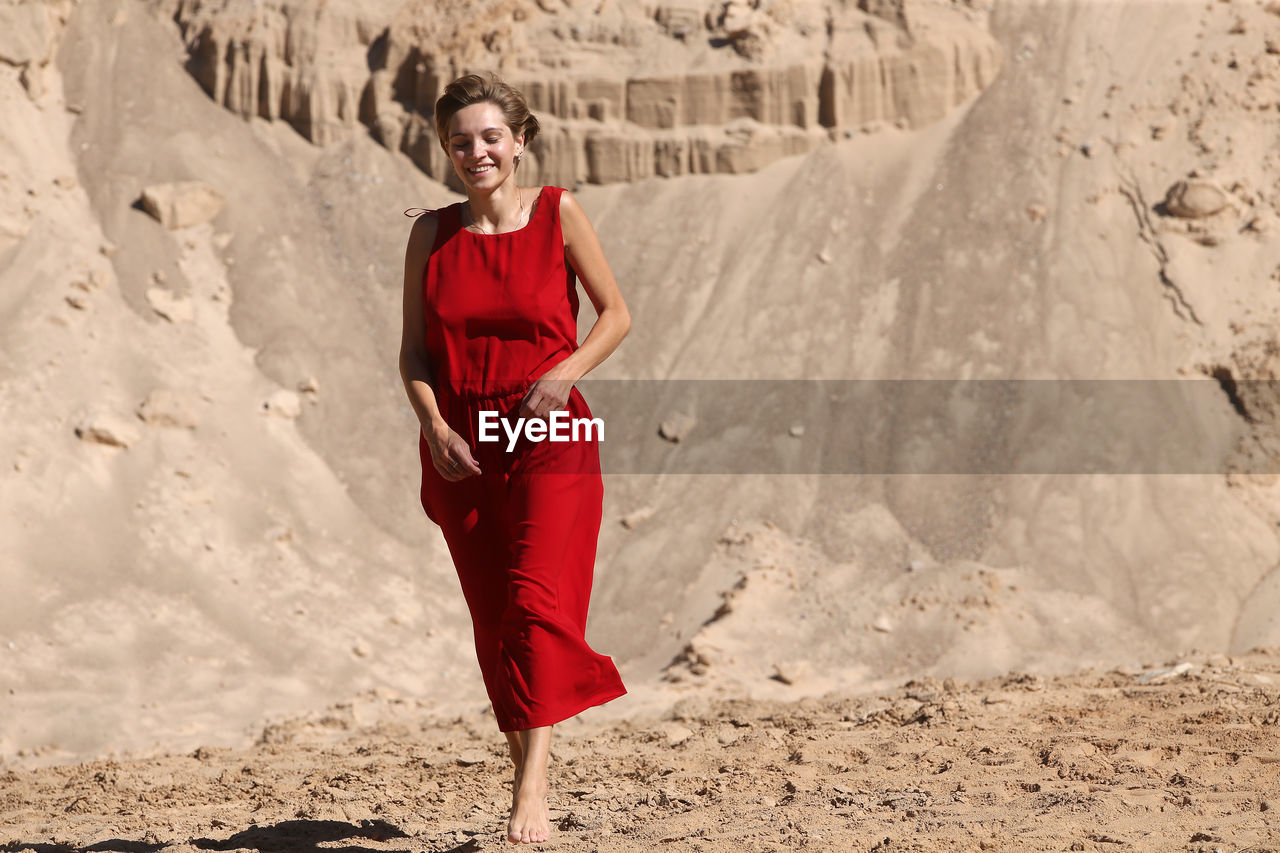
523, 540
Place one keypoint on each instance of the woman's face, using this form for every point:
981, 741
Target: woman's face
481, 146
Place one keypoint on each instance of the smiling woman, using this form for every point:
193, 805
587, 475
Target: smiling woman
485, 130
490, 330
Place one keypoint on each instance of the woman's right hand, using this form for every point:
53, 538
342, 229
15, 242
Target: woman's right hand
450, 454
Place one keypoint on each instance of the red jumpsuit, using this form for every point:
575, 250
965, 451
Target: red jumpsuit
501, 309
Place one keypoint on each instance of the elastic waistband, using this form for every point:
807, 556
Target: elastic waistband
508, 390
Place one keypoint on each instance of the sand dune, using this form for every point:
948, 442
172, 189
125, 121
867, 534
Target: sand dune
209, 478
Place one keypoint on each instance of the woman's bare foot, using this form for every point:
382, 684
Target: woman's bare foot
530, 822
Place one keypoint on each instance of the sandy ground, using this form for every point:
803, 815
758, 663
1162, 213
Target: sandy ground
1179, 755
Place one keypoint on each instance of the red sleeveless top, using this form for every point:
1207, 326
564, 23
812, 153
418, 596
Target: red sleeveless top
501, 309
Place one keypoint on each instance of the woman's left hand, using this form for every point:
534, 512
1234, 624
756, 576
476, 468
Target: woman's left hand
548, 393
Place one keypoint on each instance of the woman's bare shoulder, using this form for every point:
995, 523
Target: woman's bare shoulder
423, 233
573, 219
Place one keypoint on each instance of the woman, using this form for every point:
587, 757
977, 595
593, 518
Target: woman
490, 325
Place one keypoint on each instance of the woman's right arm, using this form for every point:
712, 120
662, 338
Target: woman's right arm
450, 454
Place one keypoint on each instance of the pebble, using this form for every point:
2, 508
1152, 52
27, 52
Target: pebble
676, 426
182, 204
1164, 673
165, 407
175, 309
102, 428
1194, 200
677, 734
790, 672
468, 757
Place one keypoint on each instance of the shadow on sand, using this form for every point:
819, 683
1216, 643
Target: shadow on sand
290, 836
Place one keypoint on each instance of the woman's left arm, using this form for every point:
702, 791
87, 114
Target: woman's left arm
613, 320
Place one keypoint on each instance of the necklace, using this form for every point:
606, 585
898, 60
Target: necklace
519, 201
